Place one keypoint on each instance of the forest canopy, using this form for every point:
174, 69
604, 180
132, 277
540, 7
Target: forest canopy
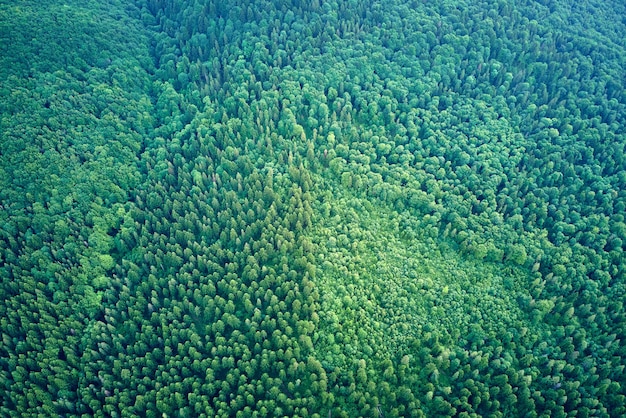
322, 208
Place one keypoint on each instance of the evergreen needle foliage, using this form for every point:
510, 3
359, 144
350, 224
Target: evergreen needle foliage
312, 208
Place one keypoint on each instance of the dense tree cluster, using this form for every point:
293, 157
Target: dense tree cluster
312, 208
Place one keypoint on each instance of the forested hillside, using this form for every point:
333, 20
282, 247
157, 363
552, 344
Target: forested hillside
312, 208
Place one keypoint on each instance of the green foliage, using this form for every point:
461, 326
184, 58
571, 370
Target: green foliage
312, 209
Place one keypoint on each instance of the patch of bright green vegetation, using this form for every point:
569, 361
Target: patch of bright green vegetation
389, 286
384, 289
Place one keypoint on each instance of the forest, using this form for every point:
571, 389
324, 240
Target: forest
324, 208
